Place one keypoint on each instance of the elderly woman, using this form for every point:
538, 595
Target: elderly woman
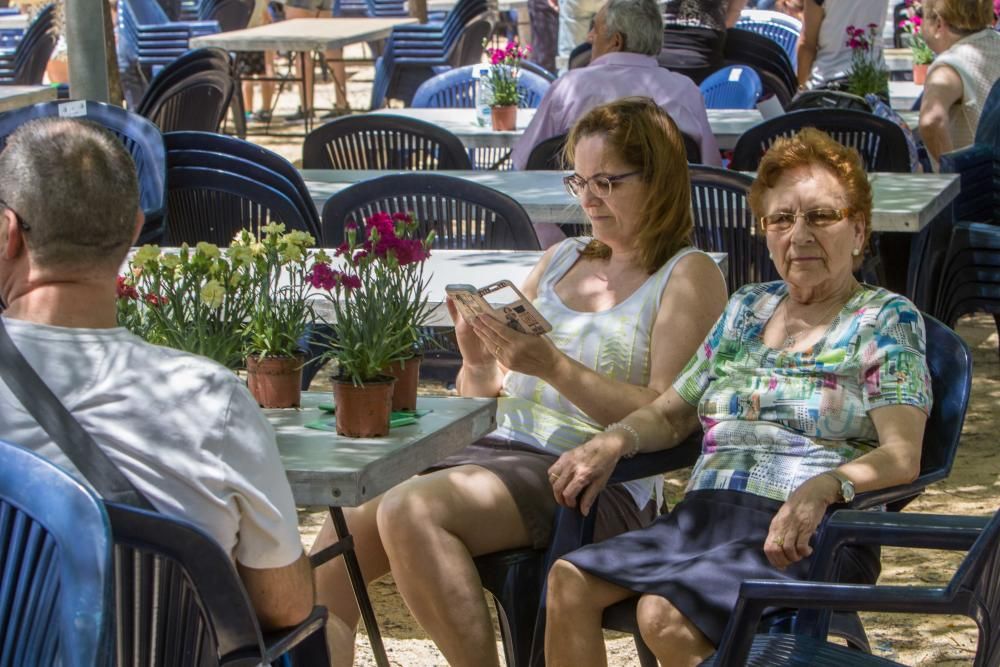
809, 390
628, 307
959, 80
824, 60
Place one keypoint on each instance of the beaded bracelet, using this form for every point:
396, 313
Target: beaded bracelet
619, 426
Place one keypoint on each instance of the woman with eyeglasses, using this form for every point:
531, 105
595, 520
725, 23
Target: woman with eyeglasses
628, 306
809, 389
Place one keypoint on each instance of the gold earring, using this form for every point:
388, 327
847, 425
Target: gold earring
855, 252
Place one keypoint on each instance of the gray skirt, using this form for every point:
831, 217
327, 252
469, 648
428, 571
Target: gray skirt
524, 471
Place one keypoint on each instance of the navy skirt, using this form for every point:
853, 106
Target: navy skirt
698, 555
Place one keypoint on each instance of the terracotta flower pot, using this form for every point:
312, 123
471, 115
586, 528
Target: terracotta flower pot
407, 374
504, 118
276, 382
363, 411
920, 74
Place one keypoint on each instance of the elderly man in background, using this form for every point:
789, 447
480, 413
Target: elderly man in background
626, 38
184, 430
967, 65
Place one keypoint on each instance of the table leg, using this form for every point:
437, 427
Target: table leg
360, 590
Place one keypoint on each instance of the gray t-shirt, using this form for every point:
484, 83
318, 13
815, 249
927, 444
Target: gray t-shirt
184, 430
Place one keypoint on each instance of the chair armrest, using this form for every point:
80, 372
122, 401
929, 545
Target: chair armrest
654, 463
757, 595
280, 642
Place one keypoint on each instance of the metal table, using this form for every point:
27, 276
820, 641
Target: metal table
303, 36
902, 202
326, 469
14, 97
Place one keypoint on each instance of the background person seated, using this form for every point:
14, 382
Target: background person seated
808, 388
694, 35
184, 430
964, 70
824, 59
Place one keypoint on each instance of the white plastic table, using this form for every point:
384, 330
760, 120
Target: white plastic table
14, 97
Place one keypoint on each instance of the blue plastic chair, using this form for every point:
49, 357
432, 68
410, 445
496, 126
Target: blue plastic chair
772, 64
142, 139
55, 565
180, 601
970, 274
456, 89
212, 205
379, 141
732, 87
950, 363
196, 102
255, 160
26, 64
972, 591
782, 34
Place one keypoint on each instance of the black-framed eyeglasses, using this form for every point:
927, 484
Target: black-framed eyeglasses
782, 221
600, 186
17, 216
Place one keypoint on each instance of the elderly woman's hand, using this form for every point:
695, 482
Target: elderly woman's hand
525, 353
585, 470
795, 523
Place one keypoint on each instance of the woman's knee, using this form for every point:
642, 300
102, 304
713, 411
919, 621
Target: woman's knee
657, 617
568, 587
407, 511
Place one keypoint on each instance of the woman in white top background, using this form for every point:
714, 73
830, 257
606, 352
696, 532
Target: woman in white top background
964, 70
823, 55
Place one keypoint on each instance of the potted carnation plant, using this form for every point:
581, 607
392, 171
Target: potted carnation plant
922, 54
505, 66
867, 74
279, 312
193, 300
378, 304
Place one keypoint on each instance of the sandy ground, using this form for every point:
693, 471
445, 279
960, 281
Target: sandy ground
972, 489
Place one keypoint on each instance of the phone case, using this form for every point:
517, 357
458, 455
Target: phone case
518, 314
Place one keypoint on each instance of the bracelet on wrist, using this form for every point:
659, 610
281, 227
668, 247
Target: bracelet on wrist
633, 435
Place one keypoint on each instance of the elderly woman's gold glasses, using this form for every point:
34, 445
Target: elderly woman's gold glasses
600, 186
782, 221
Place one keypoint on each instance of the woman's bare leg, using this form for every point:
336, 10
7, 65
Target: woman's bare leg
575, 604
333, 587
431, 529
335, 59
306, 92
672, 638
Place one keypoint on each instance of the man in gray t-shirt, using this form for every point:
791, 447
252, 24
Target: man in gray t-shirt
183, 429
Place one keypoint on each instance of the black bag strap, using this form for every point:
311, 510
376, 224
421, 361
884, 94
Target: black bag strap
64, 429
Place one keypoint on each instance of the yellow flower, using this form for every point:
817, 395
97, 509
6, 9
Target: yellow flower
321, 257
209, 250
147, 254
170, 261
274, 228
257, 249
240, 254
242, 238
290, 253
300, 239
212, 294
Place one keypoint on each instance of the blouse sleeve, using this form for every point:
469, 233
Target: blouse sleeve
894, 362
697, 374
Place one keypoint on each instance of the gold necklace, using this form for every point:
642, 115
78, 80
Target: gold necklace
791, 338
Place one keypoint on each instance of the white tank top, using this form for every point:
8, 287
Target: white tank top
614, 342
833, 57
976, 58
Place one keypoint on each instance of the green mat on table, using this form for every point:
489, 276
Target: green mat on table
396, 419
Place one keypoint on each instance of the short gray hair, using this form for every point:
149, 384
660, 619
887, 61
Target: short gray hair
74, 184
640, 23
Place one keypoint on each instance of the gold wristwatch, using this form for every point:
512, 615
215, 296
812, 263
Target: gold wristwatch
846, 486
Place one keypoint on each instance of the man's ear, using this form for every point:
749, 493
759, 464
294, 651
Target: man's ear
11, 240
140, 220
618, 42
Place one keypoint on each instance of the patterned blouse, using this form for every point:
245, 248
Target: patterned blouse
774, 418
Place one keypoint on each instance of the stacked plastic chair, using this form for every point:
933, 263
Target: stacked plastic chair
150, 39
230, 14
771, 62
780, 28
414, 53
192, 93
732, 87
141, 138
25, 64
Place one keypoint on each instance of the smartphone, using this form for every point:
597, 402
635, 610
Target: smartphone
514, 308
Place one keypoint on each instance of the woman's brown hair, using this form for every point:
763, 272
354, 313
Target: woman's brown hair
646, 138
